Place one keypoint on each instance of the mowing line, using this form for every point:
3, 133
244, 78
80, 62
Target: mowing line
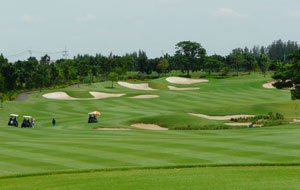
82, 171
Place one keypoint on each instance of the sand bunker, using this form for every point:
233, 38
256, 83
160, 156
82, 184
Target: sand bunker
242, 124
58, 96
269, 85
100, 95
145, 97
112, 129
144, 86
228, 117
149, 127
65, 96
175, 88
180, 80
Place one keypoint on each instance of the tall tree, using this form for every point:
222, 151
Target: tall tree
191, 56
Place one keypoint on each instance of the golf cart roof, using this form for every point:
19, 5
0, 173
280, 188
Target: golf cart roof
14, 115
27, 117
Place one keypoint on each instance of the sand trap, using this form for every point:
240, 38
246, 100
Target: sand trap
149, 127
112, 129
144, 86
242, 124
180, 80
100, 95
65, 96
296, 121
269, 85
145, 97
58, 96
228, 117
175, 88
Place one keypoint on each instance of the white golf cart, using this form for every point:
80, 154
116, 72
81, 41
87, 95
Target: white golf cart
27, 122
13, 120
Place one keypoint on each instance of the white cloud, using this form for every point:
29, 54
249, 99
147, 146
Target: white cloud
294, 14
30, 19
87, 18
229, 13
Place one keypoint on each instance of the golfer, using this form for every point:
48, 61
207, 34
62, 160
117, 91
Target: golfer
54, 122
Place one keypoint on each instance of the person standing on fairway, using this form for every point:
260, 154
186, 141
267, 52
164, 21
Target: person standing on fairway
54, 122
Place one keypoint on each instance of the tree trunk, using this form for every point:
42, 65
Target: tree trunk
188, 72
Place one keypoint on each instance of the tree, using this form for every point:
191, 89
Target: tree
236, 60
263, 63
41, 76
190, 56
113, 77
289, 75
163, 66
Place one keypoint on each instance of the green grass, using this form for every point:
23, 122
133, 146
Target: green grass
74, 145
248, 178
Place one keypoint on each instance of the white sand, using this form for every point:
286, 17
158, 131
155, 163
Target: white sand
180, 80
145, 97
112, 129
58, 96
228, 117
149, 127
65, 96
100, 95
296, 121
269, 85
144, 86
182, 89
242, 124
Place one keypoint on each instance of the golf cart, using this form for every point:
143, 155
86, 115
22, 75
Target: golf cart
27, 122
13, 120
92, 117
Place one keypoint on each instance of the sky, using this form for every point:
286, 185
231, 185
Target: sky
155, 26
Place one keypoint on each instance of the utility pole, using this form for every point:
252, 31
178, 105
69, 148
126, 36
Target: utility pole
65, 53
30, 53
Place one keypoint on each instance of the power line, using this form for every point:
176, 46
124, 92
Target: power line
30, 52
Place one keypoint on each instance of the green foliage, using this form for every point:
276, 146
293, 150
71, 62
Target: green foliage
163, 66
190, 55
113, 77
289, 75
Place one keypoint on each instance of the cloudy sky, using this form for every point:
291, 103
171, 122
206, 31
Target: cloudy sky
120, 26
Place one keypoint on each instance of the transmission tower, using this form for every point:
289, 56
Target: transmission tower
65, 53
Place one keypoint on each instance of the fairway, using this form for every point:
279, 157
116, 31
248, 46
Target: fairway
75, 145
248, 178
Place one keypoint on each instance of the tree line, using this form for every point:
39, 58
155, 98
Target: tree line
189, 57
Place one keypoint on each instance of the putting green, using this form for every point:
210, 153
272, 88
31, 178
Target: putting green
73, 144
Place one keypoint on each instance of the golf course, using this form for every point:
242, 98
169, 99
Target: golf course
124, 151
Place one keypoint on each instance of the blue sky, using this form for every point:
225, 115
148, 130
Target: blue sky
121, 26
